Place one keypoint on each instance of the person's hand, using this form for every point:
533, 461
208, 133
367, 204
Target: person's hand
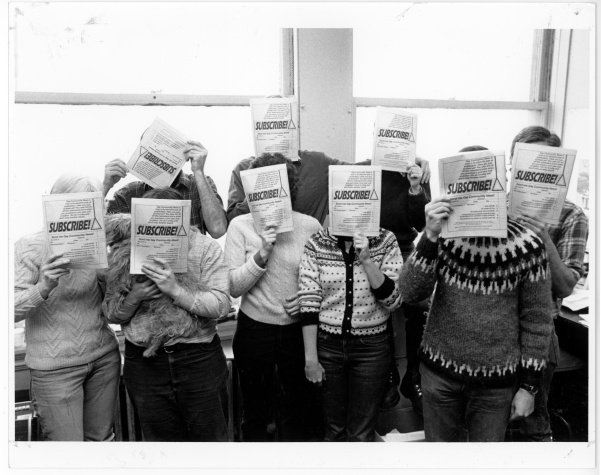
197, 154
268, 237
142, 289
414, 175
314, 372
50, 273
537, 226
522, 405
292, 305
162, 275
113, 172
425, 166
436, 211
361, 244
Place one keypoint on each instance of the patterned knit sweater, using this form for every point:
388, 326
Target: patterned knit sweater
490, 315
334, 289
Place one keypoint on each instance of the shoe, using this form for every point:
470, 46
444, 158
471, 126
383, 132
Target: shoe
411, 388
391, 396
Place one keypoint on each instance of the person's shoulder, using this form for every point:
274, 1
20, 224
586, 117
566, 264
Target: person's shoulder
306, 221
241, 221
571, 209
35, 240
364, 162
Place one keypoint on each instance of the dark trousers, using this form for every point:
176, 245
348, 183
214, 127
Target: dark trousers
357, 370
258, 349
463, 412
180, 393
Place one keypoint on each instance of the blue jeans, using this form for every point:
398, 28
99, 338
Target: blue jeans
180, 393
77, 403
356, 373
455, 411
258, 349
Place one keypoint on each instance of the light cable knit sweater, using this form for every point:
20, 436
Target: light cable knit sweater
68, 328
264, 291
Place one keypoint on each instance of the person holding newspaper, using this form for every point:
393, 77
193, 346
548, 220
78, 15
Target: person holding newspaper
263, 271
566, 248
207, 206
72, 353
485, 345
178, 386
348, 288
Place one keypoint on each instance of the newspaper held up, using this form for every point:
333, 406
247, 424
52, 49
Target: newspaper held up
159, 156
540, 177
395, 131
160, 228
475, 184
274, 125
268, 195
74, 225
354, 199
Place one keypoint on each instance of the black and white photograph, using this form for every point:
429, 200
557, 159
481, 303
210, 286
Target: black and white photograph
430, 294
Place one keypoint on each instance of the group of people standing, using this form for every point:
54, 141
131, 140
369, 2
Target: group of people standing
314, 318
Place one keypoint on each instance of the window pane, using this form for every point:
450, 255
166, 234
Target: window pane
145, 47
443, 132
49, 140
419, 62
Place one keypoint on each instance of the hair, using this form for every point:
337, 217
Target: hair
536, 133
166, 193
268, 159
69, 183
472, 148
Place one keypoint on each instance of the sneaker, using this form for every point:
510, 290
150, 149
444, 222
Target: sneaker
411, 388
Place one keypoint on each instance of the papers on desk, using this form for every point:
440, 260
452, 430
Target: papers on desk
577, 301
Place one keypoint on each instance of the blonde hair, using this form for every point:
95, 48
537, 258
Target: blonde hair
69, 183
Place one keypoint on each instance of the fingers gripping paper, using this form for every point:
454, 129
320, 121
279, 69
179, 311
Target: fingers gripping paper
160, 228
74, 225
475, 183
268, 195
355, 198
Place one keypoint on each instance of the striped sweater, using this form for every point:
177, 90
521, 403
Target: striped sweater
334, 289
490, 315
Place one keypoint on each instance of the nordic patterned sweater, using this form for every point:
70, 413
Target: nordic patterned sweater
334, 290
490, 315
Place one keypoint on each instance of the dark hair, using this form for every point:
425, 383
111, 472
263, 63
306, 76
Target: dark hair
536, 133
472, 148
268, 159
166, 193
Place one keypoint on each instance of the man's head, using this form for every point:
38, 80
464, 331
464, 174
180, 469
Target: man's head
69, 183
472, 148
268, 159
166, 193
537, 135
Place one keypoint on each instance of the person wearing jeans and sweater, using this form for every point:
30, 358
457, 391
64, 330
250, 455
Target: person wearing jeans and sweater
263, 271
348, 288
72, 352
486, 339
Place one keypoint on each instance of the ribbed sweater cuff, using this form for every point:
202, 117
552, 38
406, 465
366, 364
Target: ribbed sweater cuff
385, 290
254, 268
427, 248
530, 376
36, 297
310, 317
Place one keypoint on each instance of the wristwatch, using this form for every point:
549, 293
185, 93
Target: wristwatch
528, 387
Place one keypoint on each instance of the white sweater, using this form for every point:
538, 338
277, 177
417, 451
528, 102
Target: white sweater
264, 291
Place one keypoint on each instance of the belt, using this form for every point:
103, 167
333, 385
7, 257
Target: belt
185, 346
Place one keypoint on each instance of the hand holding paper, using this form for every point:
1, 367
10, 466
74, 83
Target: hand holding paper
437, 211
51, 272
162, 275
197, 154
425, 168
361, 244
268, 237
415, 176
534, 224
113, 172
